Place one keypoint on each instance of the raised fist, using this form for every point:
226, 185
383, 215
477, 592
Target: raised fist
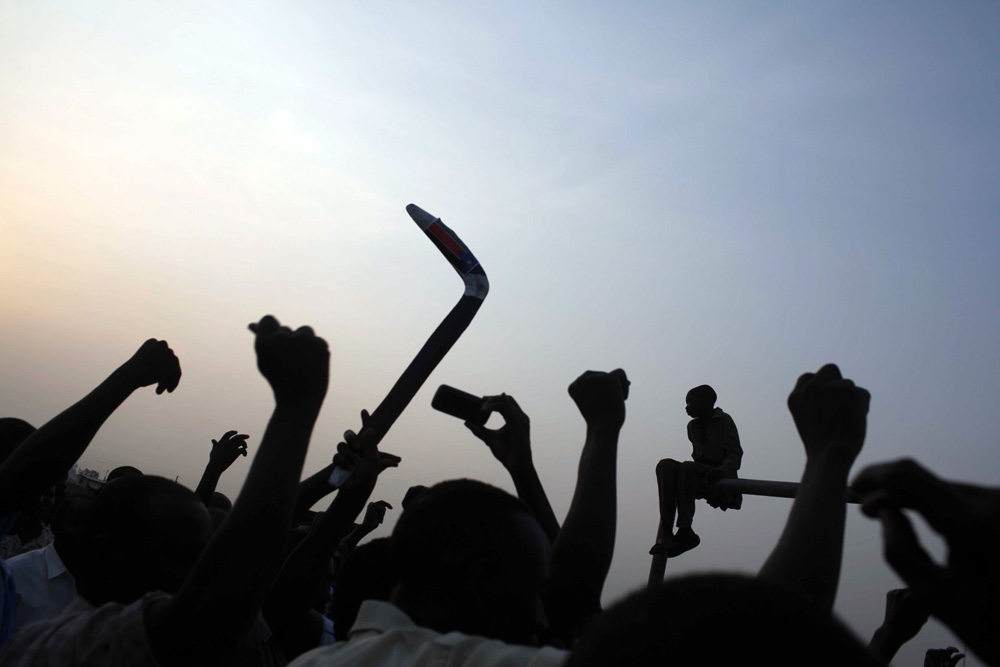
830, 413
295, 363
601, 396
154, 363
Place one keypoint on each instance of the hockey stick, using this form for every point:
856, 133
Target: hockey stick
451, 328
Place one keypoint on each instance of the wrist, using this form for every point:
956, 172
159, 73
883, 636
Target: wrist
829, 463
297, 406
604, 427
215, 468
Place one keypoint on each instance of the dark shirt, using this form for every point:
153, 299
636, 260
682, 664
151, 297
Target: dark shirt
717, 443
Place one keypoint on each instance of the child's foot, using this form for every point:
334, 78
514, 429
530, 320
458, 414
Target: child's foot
685, 540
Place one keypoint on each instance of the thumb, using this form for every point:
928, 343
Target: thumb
480, 431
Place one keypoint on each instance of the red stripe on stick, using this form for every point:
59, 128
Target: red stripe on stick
445, 238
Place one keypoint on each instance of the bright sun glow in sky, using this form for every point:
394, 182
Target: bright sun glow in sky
730, 193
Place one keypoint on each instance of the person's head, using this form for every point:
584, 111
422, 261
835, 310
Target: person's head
412, 494
364, 575
123, 471
700, 401
13, 431
471, 558
717, 620
142, 534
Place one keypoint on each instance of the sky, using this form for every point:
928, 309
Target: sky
714, 192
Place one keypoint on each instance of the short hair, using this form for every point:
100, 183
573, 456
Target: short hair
123, 471
703, 392
137, 539
448, 527
466, 547
717, 619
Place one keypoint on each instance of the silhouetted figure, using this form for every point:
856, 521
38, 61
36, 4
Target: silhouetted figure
716, 455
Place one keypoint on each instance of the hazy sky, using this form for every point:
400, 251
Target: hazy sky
730, 193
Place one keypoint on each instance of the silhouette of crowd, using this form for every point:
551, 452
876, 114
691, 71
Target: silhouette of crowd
145, 571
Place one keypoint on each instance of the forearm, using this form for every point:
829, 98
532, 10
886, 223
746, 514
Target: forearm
49, 452
289, 601
311, 490
582, 553
209, 481
730, 465
532, 493
808, 554
228, 584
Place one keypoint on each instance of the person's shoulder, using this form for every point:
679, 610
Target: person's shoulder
112, 634
719, 413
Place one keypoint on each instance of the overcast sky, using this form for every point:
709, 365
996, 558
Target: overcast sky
711, 192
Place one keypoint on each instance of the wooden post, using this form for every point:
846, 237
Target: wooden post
748, 487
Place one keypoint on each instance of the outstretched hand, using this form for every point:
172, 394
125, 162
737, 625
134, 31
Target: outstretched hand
154, 363
511, 443
295, 363
962, 593
375, 514
601, 396
830, 413
227, 449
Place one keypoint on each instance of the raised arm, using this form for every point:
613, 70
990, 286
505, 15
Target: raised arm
288, 608
224, 453
830, 414
582, 553
511, 445
374, 516
225, 590
906, 611
45, 456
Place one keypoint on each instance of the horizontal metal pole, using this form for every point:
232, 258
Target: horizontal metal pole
767, 487
749, 487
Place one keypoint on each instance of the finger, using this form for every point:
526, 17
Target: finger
305, 331
240, 438
904, 553
873, 502
622, 378
829, 373
388, 460
368, 438
228, 434
480, 431
364, 418
914, 486
267, 325
351, 437
503, 404
177, 375
215, 442
803, 380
